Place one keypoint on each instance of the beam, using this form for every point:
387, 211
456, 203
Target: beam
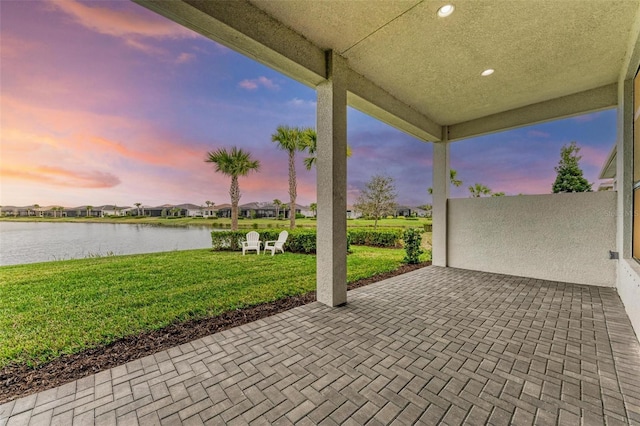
566, 106
369, 98
331, 259
243, 27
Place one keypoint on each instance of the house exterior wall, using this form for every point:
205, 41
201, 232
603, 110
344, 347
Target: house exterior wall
629, 290
558, 237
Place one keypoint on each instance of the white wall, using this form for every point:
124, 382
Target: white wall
559, 237
629, 290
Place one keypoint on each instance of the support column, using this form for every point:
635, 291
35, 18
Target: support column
624, 168
331, 275
440, 196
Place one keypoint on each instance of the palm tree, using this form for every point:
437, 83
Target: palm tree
452, 178
234, 163
478, 190
89, 209
314, 208
138, 206
35, 208
292, 139
311, 139
278, 204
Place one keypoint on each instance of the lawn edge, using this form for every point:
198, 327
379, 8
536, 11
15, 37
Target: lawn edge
19, 380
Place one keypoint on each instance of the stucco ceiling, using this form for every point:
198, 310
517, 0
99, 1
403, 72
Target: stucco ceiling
540, 49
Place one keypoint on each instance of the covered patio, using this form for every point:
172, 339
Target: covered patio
551, 341
443, 74
434, 345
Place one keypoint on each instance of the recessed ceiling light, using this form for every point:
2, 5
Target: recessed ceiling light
446, 10
487, 72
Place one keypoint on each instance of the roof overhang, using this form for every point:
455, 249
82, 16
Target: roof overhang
421, 73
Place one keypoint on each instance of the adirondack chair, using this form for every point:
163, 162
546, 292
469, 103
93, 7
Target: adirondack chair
252, 243
276, 245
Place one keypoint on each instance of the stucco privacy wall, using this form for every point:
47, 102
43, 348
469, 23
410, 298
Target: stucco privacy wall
558, 237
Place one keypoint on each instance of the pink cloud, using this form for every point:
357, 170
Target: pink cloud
121, 23
47, 175
184, 58
248, 84
253, 84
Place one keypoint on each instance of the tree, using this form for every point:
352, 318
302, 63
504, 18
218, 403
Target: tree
234, 163
314, 208
138, 206
452, 179
378, 198
292, 139
311, 140
478, 190
35, 208
278, 204
89, 208
570, 178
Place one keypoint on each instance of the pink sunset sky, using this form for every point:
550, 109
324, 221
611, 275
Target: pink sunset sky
105, 102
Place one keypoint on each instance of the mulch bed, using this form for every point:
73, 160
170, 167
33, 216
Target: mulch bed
18, 380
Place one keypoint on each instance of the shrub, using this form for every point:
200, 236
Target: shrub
428, 227
412, 238
300, 216
377, 238
254, 225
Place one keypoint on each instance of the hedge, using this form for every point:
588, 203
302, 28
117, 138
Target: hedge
304, 240
377, 238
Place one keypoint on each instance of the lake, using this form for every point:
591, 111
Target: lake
30, 242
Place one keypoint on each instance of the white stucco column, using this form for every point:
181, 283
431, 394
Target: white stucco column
331, 275
440, 196
624, 168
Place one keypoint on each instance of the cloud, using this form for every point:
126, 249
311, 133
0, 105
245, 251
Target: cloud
253, 84
301, 103
184, 58
62, 177
121, 23
14, 47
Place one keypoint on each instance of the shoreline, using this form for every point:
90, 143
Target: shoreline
219, 223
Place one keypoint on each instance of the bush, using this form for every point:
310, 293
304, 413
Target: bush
412, 238
428, 227
377, 238
300, 216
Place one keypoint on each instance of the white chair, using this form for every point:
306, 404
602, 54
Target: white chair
252, 243
276, 245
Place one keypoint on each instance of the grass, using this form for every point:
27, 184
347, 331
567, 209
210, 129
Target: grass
222, 222
54, 308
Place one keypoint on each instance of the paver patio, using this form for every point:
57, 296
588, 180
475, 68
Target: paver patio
436, 345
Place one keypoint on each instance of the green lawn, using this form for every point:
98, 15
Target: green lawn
54, 308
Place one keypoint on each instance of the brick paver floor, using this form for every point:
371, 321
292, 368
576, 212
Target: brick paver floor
432, 346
